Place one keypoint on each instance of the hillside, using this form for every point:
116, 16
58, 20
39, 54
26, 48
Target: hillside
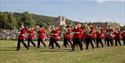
9, 20
27, 19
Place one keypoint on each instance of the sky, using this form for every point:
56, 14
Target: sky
76, 10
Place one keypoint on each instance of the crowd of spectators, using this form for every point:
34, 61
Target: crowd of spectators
8, 34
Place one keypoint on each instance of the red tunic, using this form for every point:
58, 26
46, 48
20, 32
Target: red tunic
117, 34
123, 35
99, 35
105, 35
110, 33
92, 32
41, 34
87, 34
80, 34
69, 30
77, 33
22, 34
67, 35
31, 34
55, 34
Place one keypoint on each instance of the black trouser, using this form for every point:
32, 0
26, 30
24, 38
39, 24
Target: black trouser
40, 40
123, 40
81, 40
88, 40
117, 40
99, 40
18, 44
109, 40
52, 41
105, 39
66, 42
30, 40
75, 42
93, 39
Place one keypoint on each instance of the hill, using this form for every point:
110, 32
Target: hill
9, 20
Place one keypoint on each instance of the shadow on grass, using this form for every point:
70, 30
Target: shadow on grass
56, 50
34, 49
7, 50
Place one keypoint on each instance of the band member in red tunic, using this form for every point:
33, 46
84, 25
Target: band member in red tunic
67, 36
50, 36
88, 37
80, 34
40, 34
109, 33
117, 37
99, 36
54, 37
30, 36
105, 37
123, 37
76, 38
92, 32
21, 38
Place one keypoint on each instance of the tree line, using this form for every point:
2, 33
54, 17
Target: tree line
12, 21
9, 20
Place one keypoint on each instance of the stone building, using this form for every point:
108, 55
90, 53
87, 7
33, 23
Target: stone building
60, 21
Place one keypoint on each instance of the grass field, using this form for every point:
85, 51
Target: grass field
115, 54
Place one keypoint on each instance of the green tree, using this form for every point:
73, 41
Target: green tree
27, 19
12, 21
3, 20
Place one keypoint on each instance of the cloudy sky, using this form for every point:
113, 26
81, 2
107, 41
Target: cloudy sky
77, 10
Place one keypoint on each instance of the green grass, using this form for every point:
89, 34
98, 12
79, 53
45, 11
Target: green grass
115, 54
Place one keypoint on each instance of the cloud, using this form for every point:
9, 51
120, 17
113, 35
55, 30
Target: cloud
102, 1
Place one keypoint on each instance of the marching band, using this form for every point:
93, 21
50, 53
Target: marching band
72, 35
